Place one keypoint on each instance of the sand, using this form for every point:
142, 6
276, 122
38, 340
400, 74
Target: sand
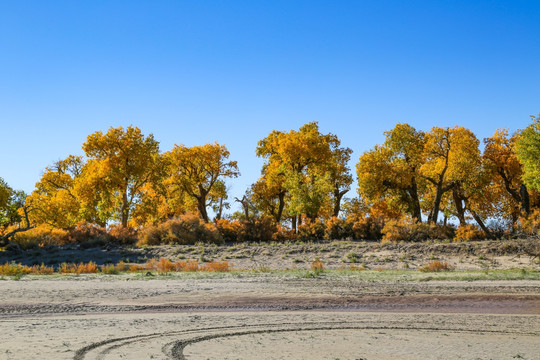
267, 317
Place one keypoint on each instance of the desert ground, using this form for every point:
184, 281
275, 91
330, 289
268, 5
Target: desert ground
487, 308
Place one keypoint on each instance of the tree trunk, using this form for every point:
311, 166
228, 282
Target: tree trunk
293, 223
201, 206
483, 226
415, 203
338, 195
125, 209
460, 210
434, 215
281, 198
525, 200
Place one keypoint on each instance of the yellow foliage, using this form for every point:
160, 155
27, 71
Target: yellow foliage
468, 232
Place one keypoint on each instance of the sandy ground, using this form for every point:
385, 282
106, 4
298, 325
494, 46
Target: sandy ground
267, 317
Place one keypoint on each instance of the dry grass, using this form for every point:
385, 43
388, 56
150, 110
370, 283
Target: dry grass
436, 266
215, 266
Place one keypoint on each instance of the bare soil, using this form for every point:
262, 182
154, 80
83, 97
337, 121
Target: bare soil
262, 314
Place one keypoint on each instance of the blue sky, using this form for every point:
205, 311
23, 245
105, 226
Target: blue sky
194, 72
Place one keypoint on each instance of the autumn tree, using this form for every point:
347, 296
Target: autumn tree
306, 167
450, 154
528, 151
198, 172
120, 163
13, 213
6, 194
501, 161
390, 172
55, 201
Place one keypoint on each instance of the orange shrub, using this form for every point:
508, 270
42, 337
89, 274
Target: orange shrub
67, 268
151, 264
121, 266
406, 229
41, 235
165, 265
229, 230
336, 229
122, 235
317, 265
531, 224
436, 266
12, 269
187, 229
84, 232
88, 268
216, 266
42, 270
191, 265
135, 268
311, 230
469, 232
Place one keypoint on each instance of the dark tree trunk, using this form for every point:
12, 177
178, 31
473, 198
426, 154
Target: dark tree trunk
281, 206
460, 210
338, 195
525, 200
480, 223
201, 206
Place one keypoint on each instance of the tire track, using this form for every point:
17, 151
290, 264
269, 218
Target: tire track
175, 349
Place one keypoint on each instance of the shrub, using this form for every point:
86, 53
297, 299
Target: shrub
164, 266
84, 232
311, 230
12, 269
436, 266
42, 235
135, 268
366, 228
317, 265
122, 235
109, 269
216, 266
406, 229
336, 229
468, 232
260, 229
531, 224
151, 264
191, 265
284, 234
229, 230
81, 268
42, 270
186, 229
88, 268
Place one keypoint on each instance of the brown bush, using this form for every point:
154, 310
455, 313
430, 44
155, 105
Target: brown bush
407, 229
122, 235
311, 230
186, 229
337, 229
366, 228
191, 265
84, 232
229, 230
436, 266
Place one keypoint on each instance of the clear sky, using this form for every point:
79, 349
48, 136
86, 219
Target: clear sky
194, 72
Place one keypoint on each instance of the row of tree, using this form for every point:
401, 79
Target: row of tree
124, 178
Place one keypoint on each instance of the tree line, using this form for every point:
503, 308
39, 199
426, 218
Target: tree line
413, 179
